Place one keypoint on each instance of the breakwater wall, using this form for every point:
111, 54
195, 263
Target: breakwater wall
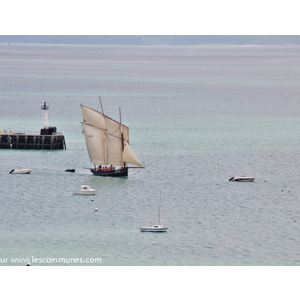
32, 141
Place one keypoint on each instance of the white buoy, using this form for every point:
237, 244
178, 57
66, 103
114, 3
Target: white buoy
154, 243
92, 199
265, 180
107, 194
96, 209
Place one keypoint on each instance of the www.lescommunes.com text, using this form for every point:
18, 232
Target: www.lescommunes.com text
50, 260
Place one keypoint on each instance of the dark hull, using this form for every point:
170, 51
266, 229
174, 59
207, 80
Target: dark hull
242, 179
116, 173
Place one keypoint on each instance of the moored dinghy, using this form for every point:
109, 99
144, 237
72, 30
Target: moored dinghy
242, 179
20, 171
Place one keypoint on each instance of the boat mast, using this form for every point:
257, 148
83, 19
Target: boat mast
103, 114
101, 105
121, 128
159, 208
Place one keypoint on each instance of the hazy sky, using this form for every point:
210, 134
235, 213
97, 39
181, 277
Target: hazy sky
136, 17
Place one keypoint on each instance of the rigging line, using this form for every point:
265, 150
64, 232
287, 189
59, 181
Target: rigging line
113, 136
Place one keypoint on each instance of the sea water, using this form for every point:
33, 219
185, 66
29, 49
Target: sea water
197, 116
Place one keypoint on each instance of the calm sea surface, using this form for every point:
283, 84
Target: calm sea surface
197, 116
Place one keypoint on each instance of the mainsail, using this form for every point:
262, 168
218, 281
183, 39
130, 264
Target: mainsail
107, 140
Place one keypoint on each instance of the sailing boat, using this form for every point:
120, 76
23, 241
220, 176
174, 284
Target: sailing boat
107, 142
155, 228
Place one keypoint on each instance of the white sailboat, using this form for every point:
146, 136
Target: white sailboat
107, 142
155, 228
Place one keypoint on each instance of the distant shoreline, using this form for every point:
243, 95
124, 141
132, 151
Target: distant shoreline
153, 40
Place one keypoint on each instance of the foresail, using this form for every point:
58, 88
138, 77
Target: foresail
129, 156
95, 143
93, 117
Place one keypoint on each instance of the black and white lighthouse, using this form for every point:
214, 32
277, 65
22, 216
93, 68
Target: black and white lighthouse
46, 129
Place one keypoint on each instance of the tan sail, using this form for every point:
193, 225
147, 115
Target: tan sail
93, 117
114, 150
99, 120
114, 128
129, 156
95, 143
